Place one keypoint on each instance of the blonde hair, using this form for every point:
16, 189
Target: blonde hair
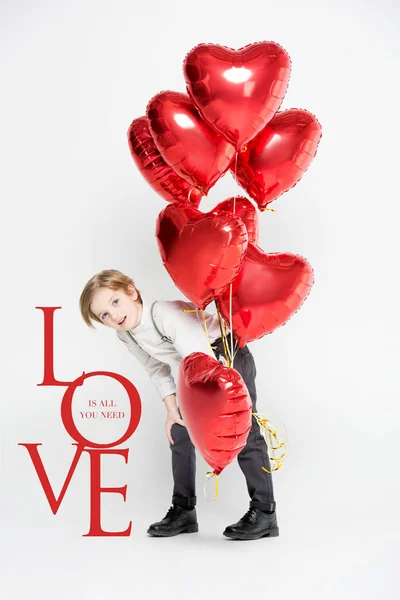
112, 279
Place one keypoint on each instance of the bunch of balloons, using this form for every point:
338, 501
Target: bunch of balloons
228, 120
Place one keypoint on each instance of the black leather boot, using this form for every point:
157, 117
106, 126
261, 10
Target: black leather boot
253, 525
177, 520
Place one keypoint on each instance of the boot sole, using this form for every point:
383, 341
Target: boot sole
184, 529
273, 532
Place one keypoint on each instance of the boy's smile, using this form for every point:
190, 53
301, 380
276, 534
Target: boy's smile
116, 308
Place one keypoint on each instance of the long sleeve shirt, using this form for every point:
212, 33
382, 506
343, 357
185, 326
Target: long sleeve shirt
185, 330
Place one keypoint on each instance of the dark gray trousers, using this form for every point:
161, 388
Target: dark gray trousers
251, 458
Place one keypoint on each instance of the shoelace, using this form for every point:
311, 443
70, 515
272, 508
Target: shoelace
171, 511
250, 516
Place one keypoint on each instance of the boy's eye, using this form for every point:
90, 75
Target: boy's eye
116, 300
104, 315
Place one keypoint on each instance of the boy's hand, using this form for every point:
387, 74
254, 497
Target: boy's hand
172, 417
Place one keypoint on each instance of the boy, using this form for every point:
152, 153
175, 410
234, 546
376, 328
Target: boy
160, 336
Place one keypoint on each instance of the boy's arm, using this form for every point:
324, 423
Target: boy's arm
170, 403
159, 372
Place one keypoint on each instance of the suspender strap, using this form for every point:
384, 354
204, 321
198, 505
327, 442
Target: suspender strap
163, 337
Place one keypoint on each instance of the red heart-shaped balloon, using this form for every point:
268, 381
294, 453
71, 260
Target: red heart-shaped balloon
194, 150
202, 252
237, 91
243, 208
162, 178
216, 408
278, 157
269, 289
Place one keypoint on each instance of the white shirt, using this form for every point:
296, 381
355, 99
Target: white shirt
185, 329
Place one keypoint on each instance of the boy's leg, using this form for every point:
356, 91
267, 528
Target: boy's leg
183, 467
255, 454
181, 517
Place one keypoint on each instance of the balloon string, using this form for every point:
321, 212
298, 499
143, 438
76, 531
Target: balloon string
196, 310
270, 432
234, 197
210, 474
223, 336
206, 330
231, 285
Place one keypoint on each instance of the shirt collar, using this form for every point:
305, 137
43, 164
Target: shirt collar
146, 316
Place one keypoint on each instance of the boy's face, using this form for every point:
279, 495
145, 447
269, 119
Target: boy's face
117, 309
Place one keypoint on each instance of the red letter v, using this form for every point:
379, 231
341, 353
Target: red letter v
44, 480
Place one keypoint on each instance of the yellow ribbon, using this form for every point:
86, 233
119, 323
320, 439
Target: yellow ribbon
205, 323
223, 336
210, 474
266, 208
270, 433
206, 330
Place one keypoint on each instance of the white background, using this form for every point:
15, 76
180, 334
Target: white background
73, 77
